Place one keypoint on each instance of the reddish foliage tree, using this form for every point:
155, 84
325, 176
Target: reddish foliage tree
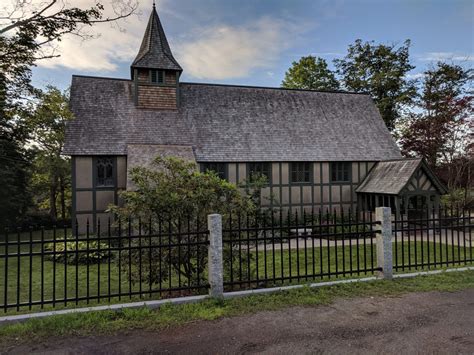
441, 129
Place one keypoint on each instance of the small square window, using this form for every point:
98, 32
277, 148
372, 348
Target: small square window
301, 172
219, 168
340, 172
157, 76
259, 168
104, 168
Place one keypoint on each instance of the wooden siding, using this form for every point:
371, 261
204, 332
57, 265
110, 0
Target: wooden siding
157, 97
143, 76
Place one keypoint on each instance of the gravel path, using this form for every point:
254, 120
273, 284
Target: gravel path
434, 322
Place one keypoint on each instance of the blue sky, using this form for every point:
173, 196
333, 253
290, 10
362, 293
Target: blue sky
254, 42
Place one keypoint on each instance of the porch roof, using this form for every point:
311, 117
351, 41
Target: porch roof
391, 177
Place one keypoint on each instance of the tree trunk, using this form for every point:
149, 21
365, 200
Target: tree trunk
53, 213
63, 198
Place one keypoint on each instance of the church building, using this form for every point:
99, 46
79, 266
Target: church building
328, 150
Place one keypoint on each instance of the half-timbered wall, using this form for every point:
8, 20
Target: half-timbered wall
420, 183
90, 201
320, 193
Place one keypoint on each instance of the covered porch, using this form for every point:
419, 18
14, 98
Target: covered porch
408, 186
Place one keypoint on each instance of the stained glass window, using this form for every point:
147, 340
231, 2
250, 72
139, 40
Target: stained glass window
105, 171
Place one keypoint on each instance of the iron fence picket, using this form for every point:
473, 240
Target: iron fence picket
49, 270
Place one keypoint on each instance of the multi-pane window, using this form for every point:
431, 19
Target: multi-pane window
300, 172
157, 76
340, 172
104, 171
219, 168
254, 169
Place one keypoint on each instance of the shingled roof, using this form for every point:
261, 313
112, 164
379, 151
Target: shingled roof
155, 51
230, 123
391, 177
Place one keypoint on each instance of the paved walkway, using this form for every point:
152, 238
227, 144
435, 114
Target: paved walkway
448, 236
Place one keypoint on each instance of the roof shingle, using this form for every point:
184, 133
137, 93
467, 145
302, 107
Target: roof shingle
230, 123
155, 51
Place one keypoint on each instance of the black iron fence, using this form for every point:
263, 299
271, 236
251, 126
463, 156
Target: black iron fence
268, 249
167, 257
129, 261
434, 238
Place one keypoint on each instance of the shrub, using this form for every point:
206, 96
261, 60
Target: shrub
171, 197
91, 252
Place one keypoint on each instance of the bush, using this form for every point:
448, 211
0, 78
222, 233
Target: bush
67, 252
171, 197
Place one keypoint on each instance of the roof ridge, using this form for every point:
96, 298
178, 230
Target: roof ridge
276, 88
99, 77
236, 86
400, 159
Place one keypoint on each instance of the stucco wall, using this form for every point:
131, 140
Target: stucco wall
90, 202
320, 193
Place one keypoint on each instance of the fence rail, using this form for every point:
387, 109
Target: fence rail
267, 249
435, 238
168, 257
138, 260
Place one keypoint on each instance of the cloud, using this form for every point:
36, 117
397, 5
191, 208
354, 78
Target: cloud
210, 51
446, 56
224, 52
111, 43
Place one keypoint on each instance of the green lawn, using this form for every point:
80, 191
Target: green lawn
299, 267
106, 322
289, 267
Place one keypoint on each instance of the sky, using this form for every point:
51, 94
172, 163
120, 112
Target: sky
253, 42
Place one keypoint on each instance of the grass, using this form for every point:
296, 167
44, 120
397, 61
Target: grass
300, 266
310, 264
106, 322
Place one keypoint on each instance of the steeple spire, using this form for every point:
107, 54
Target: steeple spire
155, 72
155, 52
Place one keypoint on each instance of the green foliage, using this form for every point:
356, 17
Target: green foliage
29, 32
310, 73
253, 189
14, 176
173, 197
458, 198
174, 187
379, 70
51, 180
87, 252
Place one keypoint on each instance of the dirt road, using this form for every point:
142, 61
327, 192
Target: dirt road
414, 323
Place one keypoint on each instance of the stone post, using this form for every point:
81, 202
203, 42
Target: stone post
383, 215
215, 266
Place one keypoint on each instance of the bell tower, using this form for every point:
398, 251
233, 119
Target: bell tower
155, 72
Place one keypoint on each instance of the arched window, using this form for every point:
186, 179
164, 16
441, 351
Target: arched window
104, 171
